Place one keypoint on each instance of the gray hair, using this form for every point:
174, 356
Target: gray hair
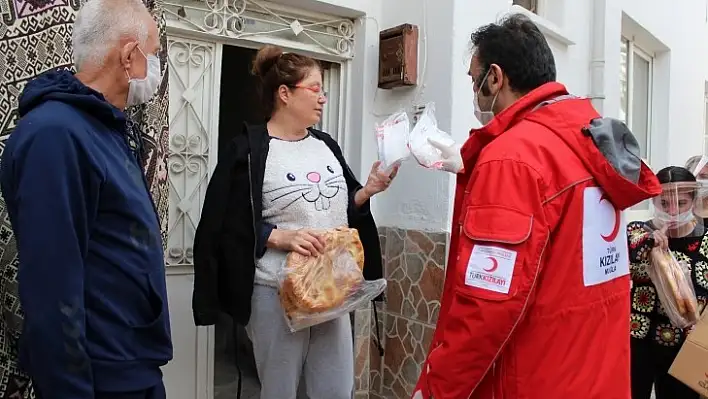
101, 23
692, 163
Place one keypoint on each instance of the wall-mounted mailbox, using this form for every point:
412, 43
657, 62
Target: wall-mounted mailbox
398, 56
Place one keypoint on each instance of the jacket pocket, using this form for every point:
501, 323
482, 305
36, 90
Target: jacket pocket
151, 336
127, 318
154, 303
497, 246
497, 223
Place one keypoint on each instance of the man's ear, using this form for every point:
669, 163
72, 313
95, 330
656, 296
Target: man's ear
127, 54
496, 76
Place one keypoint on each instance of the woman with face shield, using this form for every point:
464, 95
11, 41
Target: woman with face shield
698, 165
655, 341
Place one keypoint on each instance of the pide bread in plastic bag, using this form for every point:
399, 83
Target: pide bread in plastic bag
392, 140
674, 288
316, 289
427, 128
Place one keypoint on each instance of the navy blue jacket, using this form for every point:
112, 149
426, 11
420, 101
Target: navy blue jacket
91, 272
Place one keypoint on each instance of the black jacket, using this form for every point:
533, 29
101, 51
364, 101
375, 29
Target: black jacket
226, 240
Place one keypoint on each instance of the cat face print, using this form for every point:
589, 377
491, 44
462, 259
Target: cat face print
315, 186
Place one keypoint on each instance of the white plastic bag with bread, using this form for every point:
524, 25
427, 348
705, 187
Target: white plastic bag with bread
674, 288
316, 289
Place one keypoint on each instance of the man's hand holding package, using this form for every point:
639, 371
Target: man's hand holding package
452, 158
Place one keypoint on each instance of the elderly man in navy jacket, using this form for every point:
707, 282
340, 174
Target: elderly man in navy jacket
91, 273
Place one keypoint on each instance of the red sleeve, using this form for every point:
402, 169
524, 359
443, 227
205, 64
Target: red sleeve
503, 235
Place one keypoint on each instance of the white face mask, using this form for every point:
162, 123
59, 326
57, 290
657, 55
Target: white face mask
142, 90
484, 117
702, 188
674, 221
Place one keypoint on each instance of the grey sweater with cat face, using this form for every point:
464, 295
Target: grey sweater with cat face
303, 188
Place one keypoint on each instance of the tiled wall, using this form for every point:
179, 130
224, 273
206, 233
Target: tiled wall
414, 267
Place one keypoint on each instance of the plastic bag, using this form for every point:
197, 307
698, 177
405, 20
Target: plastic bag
392, 139
427, 128
317, 289
674, 288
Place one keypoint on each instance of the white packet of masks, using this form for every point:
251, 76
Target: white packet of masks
392, 139
427, 128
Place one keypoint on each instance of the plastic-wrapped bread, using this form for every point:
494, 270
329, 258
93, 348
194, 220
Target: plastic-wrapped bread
313, 284
674, 288
316, 289
664, 264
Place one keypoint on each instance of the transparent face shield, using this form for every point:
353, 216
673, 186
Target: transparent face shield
673, 211
674, 217
698, 165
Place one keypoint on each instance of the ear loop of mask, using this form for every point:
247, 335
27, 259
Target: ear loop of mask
494, 100
146, 62
484, 117
484, 80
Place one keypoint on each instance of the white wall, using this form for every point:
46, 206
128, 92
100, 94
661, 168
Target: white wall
680, 28
421, 199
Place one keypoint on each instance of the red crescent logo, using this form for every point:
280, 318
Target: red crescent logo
495, 265
615, 230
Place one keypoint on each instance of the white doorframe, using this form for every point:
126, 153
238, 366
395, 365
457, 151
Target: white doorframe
336, 122
201, 57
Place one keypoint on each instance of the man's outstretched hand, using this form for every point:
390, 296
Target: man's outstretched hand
452, 158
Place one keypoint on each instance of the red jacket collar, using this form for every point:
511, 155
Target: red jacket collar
502, 122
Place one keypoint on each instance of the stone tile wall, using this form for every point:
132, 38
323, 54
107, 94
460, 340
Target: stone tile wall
414, 267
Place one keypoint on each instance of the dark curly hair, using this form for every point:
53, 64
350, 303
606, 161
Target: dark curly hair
519, 48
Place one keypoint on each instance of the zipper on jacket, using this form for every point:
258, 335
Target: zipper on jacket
516, 323
500, 377
494, 378
253, 208
427, 370
149, 194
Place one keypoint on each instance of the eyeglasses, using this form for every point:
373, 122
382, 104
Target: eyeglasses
315, 89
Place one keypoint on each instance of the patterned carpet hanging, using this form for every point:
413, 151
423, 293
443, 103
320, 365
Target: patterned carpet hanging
35, 36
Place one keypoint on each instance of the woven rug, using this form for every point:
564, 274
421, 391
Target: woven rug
35, 36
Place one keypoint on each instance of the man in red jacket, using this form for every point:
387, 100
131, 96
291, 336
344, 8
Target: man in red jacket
536, 297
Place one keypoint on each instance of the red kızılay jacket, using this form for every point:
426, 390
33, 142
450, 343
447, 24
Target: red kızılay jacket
536, 297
